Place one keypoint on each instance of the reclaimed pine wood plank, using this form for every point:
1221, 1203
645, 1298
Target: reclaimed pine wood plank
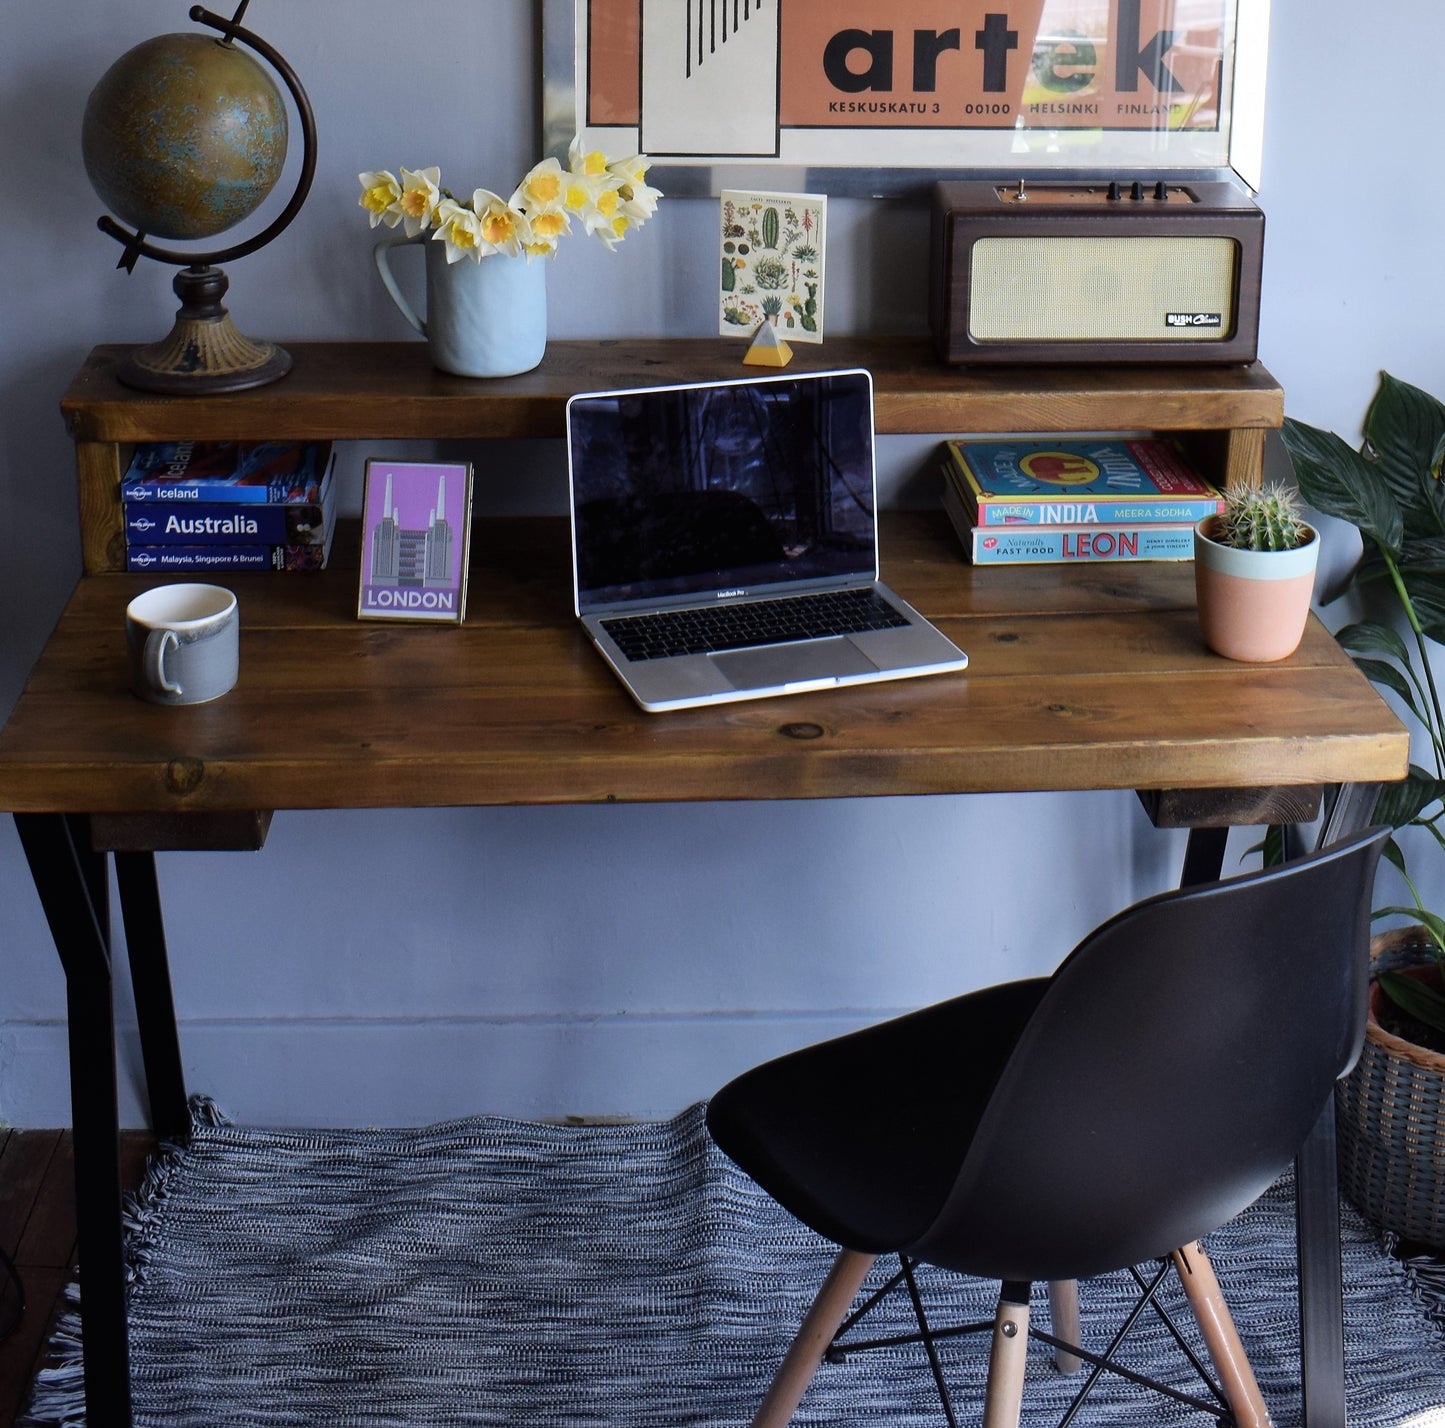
22, 1354
1071, 683
47, 1255
49, 1237
390, 389
23, 1162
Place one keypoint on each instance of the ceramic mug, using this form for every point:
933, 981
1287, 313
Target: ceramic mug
486, 318
183, 642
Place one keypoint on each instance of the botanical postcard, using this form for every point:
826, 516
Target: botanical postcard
772, 264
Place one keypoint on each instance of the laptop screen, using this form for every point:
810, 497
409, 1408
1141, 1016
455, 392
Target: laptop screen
723, 486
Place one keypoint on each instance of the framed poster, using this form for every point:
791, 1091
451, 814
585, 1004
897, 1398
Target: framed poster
415, 533
859, 97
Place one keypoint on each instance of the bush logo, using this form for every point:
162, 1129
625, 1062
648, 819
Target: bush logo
1059, 468
1193, 319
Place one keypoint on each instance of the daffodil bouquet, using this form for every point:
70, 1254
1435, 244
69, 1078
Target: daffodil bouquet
607, 197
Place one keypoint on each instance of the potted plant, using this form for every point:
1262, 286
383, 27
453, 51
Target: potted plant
1392, 1106
1254, 574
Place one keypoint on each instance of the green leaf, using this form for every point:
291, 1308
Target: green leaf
1273, 846
1403, 431
1400, 803
1422, 1002
1424, 555
1427, 595
1388, 677
1433, 924
1368, 637
1338, 481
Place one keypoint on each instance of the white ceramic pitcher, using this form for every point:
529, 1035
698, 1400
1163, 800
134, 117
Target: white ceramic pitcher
483, 319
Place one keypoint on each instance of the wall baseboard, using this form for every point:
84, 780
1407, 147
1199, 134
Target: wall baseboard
339, 1073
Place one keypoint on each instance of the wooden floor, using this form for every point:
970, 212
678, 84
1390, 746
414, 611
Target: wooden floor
37, 1231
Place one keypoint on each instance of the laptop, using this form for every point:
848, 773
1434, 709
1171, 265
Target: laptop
725, 541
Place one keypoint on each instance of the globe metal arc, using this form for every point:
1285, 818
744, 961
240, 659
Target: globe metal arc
184, 137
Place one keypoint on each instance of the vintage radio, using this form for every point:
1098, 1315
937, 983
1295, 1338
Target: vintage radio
1095, 272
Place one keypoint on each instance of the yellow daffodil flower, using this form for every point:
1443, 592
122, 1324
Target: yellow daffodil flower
419, 199
501, 228
379, 194
460, 229
591, 163
610, 197
541, 190
639, 200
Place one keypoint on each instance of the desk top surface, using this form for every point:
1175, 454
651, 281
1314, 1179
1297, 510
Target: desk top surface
1081, 677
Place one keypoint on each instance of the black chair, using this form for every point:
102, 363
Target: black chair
1047, 1130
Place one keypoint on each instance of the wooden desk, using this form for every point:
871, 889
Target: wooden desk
1081, 678
1085, 677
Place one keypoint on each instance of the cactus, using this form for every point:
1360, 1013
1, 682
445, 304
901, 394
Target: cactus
769, 273
770, 228
1264, 518
729, 275
809, 318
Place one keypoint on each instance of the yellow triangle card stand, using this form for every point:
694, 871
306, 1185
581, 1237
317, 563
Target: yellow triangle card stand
768, 349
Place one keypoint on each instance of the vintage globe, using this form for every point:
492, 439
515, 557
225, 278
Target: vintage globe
184, 136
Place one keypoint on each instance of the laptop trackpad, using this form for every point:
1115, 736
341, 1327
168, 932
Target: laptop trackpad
770, 665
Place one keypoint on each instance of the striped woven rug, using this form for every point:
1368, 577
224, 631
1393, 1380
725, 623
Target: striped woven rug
492, 1272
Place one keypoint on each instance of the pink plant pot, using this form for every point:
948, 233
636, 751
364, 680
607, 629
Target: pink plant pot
1253, 604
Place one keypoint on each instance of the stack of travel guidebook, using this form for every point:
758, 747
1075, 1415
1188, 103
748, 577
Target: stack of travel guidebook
1084, 499
229, 505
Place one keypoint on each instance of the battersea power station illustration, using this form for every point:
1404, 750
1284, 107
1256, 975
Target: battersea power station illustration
406, 556
415, 541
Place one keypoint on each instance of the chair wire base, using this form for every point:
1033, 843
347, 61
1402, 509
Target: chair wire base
929, 1336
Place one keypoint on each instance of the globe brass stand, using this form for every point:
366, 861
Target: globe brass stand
204, 353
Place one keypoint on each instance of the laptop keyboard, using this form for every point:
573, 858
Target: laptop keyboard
751, 622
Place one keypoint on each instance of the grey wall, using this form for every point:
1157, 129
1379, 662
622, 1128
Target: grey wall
407, 966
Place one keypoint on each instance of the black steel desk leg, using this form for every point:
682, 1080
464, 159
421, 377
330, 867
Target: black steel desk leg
1203, 856
150, 973
70, 879
1321, 1293
1317, 1208
1317, 1187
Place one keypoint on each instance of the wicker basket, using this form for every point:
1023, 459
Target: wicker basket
1391, 1118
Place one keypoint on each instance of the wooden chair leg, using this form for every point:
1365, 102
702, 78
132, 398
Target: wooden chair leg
1003, 1399
1226, 1352
1064, 1322
805, 1353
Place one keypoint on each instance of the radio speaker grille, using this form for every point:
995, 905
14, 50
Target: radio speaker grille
1045, 289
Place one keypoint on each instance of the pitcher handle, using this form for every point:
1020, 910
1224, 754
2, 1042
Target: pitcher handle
381, 257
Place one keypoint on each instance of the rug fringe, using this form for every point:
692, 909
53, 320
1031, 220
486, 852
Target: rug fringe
1425, 1275
57, 1398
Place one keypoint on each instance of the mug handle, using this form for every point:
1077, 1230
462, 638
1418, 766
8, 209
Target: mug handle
381, 257
157, 643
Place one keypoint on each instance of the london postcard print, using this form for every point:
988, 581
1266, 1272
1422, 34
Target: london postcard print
415, 530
